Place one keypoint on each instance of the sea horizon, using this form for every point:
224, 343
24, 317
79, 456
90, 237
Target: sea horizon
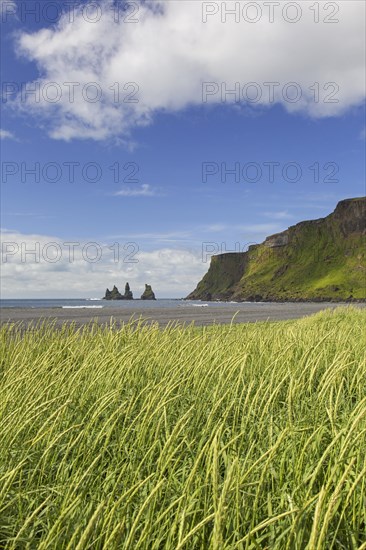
159, 303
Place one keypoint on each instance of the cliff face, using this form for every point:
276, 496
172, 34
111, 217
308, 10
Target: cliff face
224, 273
317, 260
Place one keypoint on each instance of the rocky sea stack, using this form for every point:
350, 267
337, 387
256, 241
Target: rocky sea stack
114, 294
318, 260
128, 293
148, 294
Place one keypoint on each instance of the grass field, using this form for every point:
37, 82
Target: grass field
223, 437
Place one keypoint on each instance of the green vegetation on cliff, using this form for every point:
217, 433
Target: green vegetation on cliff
314, 260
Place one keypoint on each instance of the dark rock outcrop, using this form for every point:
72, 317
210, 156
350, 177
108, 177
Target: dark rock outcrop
148, 293
128, 293
318, 260
115, 294
108, 295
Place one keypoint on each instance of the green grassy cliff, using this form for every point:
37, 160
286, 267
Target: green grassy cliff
316, 260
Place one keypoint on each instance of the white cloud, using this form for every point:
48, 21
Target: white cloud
4, 134
171, 272
171, 236
143, 191
170, 52
215, 228
254, 228
282, 215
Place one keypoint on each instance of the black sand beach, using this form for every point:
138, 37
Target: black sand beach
184, 314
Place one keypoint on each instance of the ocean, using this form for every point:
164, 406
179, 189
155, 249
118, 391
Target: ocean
96, 303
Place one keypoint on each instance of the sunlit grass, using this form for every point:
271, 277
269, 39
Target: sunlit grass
244, 436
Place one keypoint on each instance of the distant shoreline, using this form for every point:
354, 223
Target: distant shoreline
187, 314
284, 301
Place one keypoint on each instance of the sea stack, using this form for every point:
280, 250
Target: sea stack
116, 295
148, 294
113, 294
128, 293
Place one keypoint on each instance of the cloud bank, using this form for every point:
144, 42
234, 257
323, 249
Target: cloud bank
5, 134
144, 191
162, 61
41, 266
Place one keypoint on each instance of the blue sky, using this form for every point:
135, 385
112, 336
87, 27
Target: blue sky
164, 142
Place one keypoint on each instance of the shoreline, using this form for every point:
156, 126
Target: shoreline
348, 301
199, 315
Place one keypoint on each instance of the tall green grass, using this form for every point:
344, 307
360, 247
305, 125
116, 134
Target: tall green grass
224, 437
